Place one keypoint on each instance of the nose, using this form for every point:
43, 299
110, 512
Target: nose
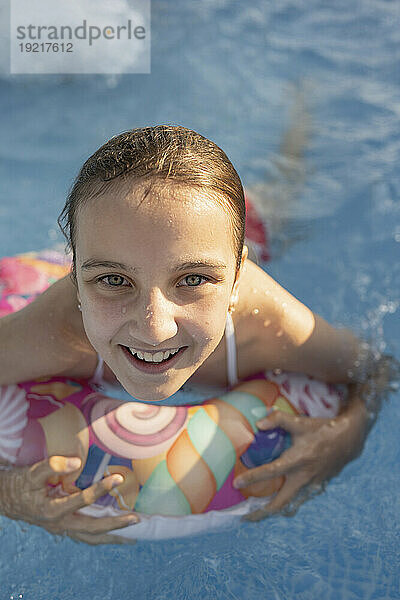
154, 320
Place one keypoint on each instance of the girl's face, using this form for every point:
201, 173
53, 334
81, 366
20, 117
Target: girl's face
155, 272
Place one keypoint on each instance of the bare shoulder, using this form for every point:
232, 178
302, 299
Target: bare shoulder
72, 354
269, 322
276, 330
45, 338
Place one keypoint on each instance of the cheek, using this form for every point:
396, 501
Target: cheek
96, 304
208, 329
101, 318
205, 320
98, 330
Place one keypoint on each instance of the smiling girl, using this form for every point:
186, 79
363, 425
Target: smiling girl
161, 275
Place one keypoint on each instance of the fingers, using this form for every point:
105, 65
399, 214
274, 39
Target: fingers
288, 492
77, 500
79, 523
291, 423
41, 472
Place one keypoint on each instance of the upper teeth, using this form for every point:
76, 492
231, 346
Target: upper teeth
157, 357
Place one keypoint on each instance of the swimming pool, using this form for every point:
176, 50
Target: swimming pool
226, 70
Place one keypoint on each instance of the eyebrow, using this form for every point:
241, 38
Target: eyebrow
94, 263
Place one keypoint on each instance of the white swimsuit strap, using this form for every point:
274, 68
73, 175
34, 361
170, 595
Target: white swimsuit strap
231, 351
99, 372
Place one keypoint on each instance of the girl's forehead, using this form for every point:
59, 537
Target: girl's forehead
151, 201
153, 197
158, 196
176, 215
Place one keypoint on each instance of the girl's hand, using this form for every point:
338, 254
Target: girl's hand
24, 495
320, 448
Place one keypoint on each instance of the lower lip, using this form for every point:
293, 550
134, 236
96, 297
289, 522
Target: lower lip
154, 368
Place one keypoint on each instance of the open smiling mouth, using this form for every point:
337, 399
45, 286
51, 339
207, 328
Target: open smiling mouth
153, 367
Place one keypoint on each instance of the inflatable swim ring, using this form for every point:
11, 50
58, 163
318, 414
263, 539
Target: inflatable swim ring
178, 462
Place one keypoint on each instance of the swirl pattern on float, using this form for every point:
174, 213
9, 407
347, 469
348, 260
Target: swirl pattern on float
135, 430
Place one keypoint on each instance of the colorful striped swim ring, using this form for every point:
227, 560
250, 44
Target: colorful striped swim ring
177, 462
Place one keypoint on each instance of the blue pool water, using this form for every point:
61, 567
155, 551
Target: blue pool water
228, 69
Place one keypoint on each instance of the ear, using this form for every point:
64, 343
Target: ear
234, 294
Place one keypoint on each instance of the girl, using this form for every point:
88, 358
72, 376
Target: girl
156, 222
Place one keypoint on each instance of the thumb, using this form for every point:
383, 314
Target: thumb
42, 471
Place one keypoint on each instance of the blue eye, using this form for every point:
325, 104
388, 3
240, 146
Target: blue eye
113, 281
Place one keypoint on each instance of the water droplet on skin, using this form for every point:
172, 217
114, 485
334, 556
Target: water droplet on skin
123, 310
279, 333
267, 322
254, 290
255, 311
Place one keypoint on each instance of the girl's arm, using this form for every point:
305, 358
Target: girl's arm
287, 335
46, 338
